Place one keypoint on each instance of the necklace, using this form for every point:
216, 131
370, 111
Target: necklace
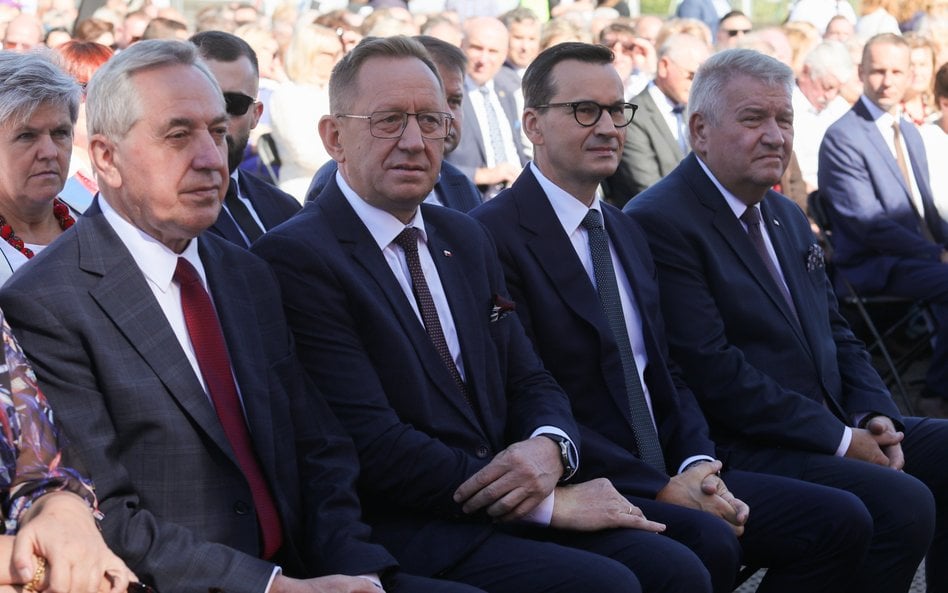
60, 211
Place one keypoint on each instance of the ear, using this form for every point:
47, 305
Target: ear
698, 131
329, 132
102, 154
531, 126
257, 112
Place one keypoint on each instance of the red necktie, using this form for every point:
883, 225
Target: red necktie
211, 350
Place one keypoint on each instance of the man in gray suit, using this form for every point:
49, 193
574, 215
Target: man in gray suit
170, 366
657, 139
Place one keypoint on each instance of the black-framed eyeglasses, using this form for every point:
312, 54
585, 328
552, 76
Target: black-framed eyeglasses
587, 113
237, 103
386, 125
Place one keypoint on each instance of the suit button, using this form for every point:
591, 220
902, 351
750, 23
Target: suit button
482, 452
241, 507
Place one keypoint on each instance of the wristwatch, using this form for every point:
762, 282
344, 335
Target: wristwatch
568, 454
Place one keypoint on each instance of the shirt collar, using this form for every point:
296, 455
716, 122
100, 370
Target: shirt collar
381, 225
877, 113
736, 205
568, 209
664, 104
155, 260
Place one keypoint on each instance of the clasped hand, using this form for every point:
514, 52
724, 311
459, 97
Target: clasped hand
879, 443
701, 488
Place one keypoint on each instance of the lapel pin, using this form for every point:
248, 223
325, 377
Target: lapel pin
447, 253
776, 222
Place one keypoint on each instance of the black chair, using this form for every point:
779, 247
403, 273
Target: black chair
898, 330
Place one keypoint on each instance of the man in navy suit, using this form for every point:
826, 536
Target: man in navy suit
453, 188
401, 315
537, 225
217, 466
252, 206
753, 321
888, 237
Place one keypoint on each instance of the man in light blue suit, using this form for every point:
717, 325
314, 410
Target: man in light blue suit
873, 173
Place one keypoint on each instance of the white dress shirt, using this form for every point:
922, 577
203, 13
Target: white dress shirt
884, 121
809, 127
506, 126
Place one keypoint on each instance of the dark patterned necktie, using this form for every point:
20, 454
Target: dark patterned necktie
751, 218
241, 214
646, 438
493, 126
408, 241
214, 362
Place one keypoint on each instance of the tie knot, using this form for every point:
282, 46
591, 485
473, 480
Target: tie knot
751, 216
678, 109
184, 273
484, 90
407, 239
592, 220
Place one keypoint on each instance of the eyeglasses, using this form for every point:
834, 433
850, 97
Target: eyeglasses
386, 125
587, 113
736, 32
237, 103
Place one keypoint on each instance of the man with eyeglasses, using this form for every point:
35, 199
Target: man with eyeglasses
657, 139
251, 205
401, 317
584, 282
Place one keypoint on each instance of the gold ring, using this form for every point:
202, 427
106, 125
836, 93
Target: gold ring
38, 576
631, 510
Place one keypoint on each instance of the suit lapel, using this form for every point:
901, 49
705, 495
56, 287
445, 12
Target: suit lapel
126, 299
667, 146
358, 242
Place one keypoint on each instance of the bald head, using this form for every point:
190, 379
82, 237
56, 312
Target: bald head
23, 33
485, 45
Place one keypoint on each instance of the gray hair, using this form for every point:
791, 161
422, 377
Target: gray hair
113, 103
678, 45
830, 58
30, 80
707, 90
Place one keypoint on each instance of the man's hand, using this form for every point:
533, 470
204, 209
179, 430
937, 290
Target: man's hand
336, 583
515, 481
701, 488
596, 505
878, 443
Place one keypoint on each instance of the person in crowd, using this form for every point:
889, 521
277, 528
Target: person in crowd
524, 29
39, 104
635, 58
99, 31
80, 59
752, 319
935, 137
657, 138
56, 37
918, 105
594, 319
295, 106
491, 150
158, 383
731, 29
23, 33
839, 29
165, 28
878, 17
133, 27
888, 235
709, 12
251, 205
466, 442
819, 12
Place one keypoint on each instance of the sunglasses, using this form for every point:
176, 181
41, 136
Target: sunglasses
237, 103
736, 32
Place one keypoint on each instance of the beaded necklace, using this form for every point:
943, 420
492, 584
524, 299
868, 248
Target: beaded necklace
60, 211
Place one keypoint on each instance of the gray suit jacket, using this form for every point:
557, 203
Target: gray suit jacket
650, 152
177, 507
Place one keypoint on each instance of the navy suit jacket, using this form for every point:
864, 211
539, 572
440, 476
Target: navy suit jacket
271, 204
760, 377
453, 187
559, 308
177, 507
874, 226
471, 152
364, 345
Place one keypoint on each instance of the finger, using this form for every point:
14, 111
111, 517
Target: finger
742, 510
641, 523
512, 505
490, 494
23, 560
477, 482
119, 578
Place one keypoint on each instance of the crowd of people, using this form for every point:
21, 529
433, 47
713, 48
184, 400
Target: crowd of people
495, 297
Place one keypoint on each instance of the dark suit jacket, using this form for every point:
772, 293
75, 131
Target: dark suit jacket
271, 204
453, 186
471, 153
650, 152
177, 507
761, 377
363, 344
874, 226
559, 308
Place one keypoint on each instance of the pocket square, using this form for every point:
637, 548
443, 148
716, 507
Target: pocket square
500, 308
815, 260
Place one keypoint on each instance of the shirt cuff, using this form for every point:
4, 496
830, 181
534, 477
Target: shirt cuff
542, 514
845, 442
684, 464
374, 579
572, 446
277, 571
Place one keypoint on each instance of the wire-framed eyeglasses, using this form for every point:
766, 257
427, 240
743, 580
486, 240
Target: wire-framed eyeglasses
391, 124
587, 113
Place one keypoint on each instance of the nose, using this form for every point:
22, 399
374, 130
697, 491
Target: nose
46, 147
411, 140
605, 126
210, 152
772, 134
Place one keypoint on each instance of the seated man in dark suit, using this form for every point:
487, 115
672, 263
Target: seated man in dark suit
400, 314
612, 361
888, 235
251, 205
657, 139
217, 465
453, 189
753, 321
